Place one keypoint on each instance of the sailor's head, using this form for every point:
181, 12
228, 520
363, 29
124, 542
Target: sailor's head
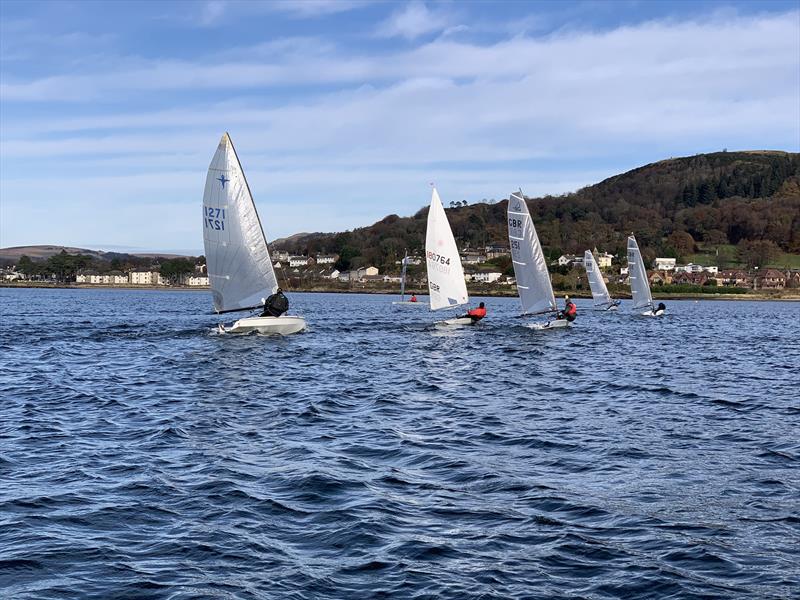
480, 305
566, 298
280, 290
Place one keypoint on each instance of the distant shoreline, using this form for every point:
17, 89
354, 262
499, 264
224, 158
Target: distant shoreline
783, 295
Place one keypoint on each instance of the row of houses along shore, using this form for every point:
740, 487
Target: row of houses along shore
321, 269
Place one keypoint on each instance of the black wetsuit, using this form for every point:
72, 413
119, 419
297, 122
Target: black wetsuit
276, 305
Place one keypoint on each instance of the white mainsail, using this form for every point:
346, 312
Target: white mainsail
445, 274
239, 267
596, 282
530, 268
640, 288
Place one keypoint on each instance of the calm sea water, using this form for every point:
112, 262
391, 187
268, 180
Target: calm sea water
142, 455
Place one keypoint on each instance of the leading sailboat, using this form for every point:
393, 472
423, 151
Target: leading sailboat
602, 299
530, 267
446, 284
239, 267
403, 301
640, 287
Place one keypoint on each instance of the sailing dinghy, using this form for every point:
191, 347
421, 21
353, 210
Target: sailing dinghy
446, 284
602, 299
640, 287
239, 267
403, 301
530, 268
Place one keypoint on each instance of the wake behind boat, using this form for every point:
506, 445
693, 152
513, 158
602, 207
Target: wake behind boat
239, 266
530, 267
602, 299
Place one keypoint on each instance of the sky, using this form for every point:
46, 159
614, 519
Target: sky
343, 111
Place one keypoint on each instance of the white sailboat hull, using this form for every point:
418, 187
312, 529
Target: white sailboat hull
284, 325
459, 321
555, 324
650, 313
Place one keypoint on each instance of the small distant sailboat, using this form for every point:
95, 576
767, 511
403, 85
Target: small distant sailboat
640, 287
602, 299
239, 266
446, 284
403, 300
530, 267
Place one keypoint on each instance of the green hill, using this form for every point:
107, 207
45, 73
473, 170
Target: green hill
675, 207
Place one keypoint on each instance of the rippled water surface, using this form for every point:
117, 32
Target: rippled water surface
142, 455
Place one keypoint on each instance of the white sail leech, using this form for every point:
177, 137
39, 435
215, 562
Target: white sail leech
446, 284
239, 267
640, 287
597, 284
530, 267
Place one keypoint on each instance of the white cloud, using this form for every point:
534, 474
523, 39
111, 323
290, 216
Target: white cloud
479, 118
413, 21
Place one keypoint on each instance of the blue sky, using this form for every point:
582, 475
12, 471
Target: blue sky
343, 111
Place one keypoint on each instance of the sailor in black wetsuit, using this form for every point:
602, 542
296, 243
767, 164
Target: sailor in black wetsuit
275, 305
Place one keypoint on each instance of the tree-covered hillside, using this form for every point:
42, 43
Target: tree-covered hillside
672, 206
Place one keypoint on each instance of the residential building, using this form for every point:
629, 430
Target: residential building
664, 264
496, 251
771, 279
793, 279
659, 278
483, 276
570, 259
604, 260
326, 259
280, 255
471, 257
148, 277
196, 279
297, 261
735, 278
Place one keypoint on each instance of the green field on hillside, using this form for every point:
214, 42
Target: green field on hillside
725, 257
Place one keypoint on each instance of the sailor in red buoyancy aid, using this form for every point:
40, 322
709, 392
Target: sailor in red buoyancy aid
476, 314
570, 310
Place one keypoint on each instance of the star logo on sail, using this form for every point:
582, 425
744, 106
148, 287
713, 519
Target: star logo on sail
223, 180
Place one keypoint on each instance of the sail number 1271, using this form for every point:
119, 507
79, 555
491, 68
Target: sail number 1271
214, 218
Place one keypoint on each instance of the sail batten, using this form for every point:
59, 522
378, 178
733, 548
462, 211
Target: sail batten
640, 287
446, 284
530, 268
239, 266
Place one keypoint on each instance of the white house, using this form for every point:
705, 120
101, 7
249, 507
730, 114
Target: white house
569, 259
496, 251
391, 279
326, 259
297, 261
469, 257
333, 274
148, 277
483, 277
196, 280
712, 270
280, 255
664, 264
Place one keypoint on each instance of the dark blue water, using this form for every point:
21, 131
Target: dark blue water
144, 456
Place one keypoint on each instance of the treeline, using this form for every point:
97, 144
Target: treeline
64, 267
673, 206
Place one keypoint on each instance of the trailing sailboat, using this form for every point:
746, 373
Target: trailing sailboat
602, 299
239, 266
403, 300
446, 284
640, 287
530, 267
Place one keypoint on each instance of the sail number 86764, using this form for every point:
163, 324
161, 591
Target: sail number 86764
438, 258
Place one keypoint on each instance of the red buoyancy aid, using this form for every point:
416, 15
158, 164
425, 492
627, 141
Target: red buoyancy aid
477, 312
571, 309
413, 299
